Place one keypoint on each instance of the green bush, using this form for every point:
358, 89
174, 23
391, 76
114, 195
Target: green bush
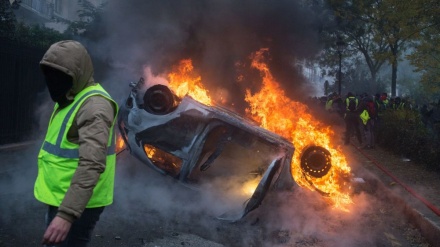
36, 36
402, 132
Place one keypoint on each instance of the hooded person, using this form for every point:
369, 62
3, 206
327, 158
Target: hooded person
76, 163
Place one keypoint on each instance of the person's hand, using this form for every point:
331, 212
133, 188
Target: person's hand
57, 231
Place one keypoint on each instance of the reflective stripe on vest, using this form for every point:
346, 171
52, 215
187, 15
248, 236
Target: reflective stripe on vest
57, 150
347, 101
58, 158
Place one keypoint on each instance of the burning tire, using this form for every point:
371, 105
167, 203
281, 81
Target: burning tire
316, 162
159, 100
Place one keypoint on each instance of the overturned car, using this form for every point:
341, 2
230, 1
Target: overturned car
198, 145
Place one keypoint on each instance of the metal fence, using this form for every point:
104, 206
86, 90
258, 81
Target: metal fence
21, 82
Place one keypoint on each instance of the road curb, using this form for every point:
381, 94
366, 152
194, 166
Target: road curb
428, 228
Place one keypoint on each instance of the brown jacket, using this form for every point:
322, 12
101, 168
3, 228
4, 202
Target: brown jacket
90, 128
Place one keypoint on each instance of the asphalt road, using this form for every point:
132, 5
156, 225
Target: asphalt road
152, 210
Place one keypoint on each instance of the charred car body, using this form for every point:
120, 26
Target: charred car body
198, 144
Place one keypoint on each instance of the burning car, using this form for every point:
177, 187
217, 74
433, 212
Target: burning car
197, 144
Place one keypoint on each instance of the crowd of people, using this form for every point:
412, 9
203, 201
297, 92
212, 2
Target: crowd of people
363, 113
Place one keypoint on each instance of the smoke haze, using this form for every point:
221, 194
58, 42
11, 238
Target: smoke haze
147, 205
216, 35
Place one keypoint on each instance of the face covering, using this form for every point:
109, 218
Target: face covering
58, 84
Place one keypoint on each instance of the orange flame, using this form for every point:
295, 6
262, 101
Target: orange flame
185, 82
120, 145
277, 113
292, 120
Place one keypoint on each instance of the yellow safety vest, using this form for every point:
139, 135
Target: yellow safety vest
347, 102
58, 158
365, 116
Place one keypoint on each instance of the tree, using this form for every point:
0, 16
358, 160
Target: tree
36, 35
426, 54
380, 29
89, 24
33, 36
352, 18
399, 22
326, 88
7, 19
426, 58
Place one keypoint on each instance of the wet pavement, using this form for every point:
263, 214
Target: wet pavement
152, 210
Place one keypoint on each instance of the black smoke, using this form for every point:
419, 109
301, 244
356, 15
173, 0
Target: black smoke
216, 35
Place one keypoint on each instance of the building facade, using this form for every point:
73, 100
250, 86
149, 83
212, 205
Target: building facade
50, 13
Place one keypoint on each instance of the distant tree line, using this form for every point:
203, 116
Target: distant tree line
39, 36
33, 36
380, 35
21, 48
